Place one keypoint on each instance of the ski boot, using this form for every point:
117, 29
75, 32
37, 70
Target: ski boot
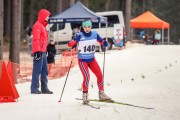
85, 98
103, 96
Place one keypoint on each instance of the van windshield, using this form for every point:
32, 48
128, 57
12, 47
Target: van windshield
57, 26
112, 19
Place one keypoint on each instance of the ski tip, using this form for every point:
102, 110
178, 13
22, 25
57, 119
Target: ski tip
59, 101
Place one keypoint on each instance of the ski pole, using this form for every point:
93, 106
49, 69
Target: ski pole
66, 78
104, 62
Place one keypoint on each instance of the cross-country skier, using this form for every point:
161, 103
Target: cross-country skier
86, 44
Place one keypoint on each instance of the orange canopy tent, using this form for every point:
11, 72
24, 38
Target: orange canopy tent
149, 20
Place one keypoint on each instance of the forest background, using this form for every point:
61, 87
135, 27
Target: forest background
17, 15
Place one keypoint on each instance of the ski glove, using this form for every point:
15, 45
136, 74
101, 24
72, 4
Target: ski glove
105, 43
37, 55
72, 43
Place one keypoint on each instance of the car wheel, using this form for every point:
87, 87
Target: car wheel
110, 43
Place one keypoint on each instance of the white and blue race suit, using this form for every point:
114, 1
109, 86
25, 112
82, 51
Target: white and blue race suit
87, 44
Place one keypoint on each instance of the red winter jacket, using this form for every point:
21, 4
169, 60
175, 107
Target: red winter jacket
39, 32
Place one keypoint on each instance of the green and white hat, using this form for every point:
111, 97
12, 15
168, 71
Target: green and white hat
87, 23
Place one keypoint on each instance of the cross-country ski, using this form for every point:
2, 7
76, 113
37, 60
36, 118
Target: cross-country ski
116, 102
92, 106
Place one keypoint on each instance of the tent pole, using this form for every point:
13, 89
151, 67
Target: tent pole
130, 35
163, 35
168, 36
99, 27
57, 27
106, 31
132, 31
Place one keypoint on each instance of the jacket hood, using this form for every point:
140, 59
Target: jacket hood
43, 13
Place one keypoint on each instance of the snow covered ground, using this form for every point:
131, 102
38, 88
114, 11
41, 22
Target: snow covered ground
146, 76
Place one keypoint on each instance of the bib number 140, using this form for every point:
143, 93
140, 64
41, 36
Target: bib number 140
89, 48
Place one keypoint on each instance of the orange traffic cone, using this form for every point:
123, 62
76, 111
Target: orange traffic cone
10, 71
7, 89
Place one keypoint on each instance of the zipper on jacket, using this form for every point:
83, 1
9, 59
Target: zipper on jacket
42, 45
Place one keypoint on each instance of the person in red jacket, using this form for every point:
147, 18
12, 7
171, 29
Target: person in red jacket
39, 46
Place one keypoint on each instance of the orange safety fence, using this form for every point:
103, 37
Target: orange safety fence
18, 72
23, 72
61, 66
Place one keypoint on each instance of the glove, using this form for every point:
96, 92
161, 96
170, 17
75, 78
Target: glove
72, 43
37, 55
105, 43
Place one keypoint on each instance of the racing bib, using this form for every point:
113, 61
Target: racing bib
86, 49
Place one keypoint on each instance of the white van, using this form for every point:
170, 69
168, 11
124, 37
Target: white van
62, 33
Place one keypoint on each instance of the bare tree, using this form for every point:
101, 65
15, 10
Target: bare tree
62, 5
59, 8
86, 3
22, 20
1, 27
107, 5
127, 18
15, 31
52, 7
143, 6
7, 18
66, 4
123, 6
31, 16
72, 2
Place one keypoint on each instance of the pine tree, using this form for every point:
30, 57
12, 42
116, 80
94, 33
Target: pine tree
1, 27
15, 31
127, 18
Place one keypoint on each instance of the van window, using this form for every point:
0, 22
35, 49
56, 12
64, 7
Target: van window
112, 19
60, 26
95, 25
75, 25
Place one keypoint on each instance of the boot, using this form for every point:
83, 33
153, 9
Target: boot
85, 98
47, 92
37, 92
103, 96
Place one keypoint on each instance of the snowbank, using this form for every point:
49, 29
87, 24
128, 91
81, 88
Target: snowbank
141, 75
